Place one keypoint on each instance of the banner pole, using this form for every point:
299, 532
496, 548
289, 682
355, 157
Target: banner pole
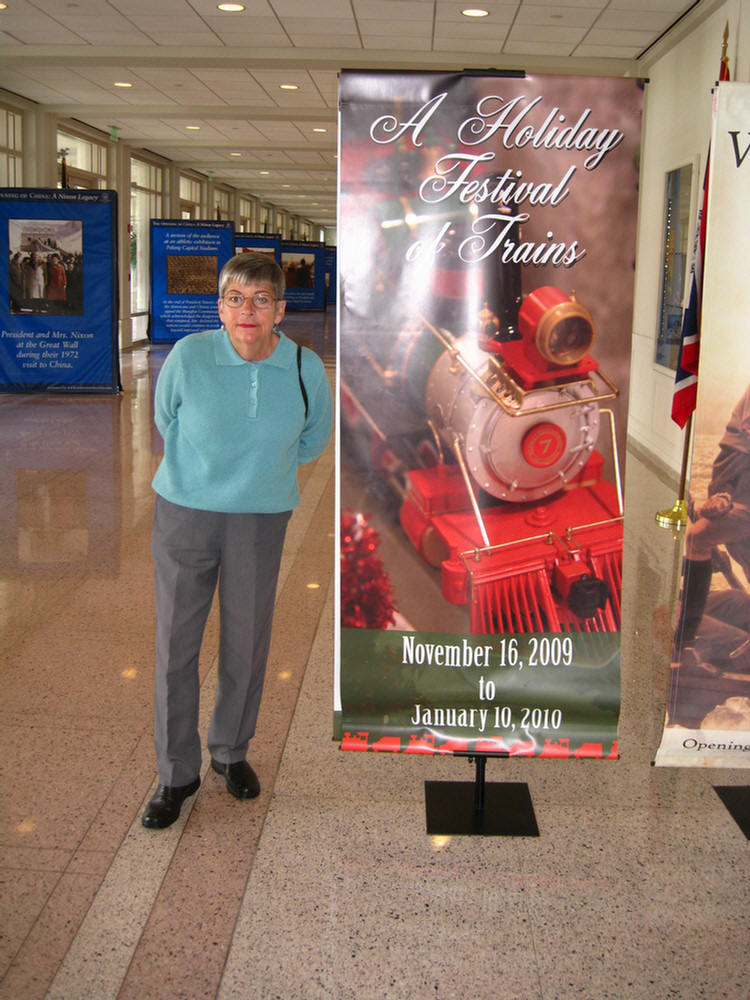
675, 517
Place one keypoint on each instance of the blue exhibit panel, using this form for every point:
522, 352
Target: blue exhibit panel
186, 259
304, 270
58, 291
330, 275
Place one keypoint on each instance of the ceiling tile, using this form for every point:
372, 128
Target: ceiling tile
529, 48
652, 20
187, 29
130, 7
313, 8
37, 29
397, 10
611, 36
103, 29
234, 86
673, 7
253, 9
239, 132
33, 89
408, 29
447, 43
546, 33
587, 51
320, 41
180, 85
576, 17
278, 132
498, 13
306, 96
86, 8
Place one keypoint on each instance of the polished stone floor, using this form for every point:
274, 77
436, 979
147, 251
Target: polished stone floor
326, 887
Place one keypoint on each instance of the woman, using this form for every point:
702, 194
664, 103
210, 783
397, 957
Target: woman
239, 409
56, 279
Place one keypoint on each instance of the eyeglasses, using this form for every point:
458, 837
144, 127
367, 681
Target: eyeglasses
261, 300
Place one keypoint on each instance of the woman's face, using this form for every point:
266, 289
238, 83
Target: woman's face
250, 325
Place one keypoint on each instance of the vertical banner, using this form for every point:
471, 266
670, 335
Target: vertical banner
486, 248
58, 291
260, 243
304, 270
708, 711
331, 277
186, 258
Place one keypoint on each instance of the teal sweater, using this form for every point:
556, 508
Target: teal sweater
235, 431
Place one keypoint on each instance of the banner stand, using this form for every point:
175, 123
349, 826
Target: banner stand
460, 808
736, 798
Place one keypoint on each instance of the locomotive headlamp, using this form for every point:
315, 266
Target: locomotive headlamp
555, 327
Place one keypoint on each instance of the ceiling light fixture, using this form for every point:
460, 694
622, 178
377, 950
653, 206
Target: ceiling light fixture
320, 130
474, 12
122, 83
193, 128
288, 86
230, 8
235, 154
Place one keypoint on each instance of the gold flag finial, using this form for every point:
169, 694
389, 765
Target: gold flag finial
724, 56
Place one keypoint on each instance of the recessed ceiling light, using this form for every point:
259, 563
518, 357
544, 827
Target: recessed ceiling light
265, 172
235, 154
230, 8
320, 130
122, 83
288, 86
193, 128
474, 12
3, 6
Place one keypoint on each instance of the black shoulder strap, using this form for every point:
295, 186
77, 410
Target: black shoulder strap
301, 383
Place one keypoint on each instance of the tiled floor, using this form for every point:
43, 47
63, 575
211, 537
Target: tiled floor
327, 886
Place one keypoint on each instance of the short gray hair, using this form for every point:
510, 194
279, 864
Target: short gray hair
248, 268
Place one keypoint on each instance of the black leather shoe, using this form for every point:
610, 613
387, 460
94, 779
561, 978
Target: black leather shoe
164, 807
241, 780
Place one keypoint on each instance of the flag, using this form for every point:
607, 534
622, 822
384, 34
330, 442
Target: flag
686, 377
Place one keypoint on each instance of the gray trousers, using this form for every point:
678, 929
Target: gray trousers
193, 549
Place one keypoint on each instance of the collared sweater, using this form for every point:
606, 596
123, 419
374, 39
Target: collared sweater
235, 431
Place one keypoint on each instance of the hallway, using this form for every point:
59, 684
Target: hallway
326, 887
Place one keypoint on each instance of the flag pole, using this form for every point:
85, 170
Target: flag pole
675, 517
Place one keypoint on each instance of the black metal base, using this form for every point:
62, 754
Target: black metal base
460, 808
737, 800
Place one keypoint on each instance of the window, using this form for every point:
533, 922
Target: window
10, 148
246, 221
222, 204
191, 197
85, 162
146, 203
674, 264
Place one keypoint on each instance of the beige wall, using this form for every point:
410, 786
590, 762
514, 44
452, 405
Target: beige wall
676, 131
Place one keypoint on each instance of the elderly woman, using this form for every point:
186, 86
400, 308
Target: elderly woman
239, 409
